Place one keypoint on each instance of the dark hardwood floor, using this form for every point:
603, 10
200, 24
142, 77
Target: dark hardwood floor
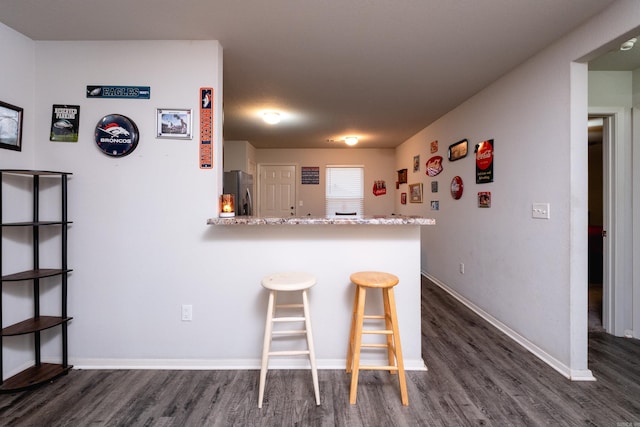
477, 376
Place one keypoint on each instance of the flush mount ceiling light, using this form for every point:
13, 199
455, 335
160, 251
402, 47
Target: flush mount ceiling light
271, 117
628, 45
351, 140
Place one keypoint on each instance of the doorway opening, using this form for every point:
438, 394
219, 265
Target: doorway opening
596, 223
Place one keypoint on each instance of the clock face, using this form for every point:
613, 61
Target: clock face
456, 187
116, 135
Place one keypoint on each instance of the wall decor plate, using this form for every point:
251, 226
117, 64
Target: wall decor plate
457, 186
116, 135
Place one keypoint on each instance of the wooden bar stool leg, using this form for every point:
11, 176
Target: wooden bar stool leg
352, 332
357, 341
398, 349
266, 347
312, 353
388, 325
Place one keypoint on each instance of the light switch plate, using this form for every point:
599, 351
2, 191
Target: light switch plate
540, 210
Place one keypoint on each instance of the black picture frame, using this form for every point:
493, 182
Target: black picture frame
458, 150
10, 126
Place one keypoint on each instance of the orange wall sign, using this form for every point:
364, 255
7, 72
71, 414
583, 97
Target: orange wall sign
206, 128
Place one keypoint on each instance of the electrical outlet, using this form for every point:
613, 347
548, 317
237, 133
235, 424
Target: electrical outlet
461, 268
187, 312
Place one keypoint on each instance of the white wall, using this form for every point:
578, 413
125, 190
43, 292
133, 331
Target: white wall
528, 276
636, 202
136, 244
16, 88
139, 244
379, 165
239, 155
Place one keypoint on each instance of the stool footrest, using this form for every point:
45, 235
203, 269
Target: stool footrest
288, 319
377, 331
292, 332
373, 316
289, 353
375, 346
379, 368
289, 306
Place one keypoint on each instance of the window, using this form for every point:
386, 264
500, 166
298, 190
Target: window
345, 191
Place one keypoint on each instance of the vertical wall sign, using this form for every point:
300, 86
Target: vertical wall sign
206, 128
484, 162
65, 122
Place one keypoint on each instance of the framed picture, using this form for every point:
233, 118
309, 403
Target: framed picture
484, 199
434, 147
415, 193
174, 123
403, 198
458, 150
402, 176
416, 163
10, 127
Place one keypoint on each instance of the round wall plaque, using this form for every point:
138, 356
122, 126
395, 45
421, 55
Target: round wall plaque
116, 135
456, 187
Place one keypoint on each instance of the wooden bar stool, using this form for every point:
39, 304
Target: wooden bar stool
384, 281
287, 282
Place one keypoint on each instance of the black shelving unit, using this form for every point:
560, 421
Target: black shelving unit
39, 373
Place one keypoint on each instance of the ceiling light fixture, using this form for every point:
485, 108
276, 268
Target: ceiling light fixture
351, 140
628, 45
271, 117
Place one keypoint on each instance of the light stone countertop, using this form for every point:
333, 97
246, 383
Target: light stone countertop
309, 220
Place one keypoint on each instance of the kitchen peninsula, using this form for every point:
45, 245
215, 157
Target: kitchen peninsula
331, 249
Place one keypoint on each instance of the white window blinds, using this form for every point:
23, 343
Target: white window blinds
345, 191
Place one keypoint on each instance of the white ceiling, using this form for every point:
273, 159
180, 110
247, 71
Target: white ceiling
378, 69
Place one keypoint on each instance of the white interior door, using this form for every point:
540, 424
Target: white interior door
277, 190
617, 310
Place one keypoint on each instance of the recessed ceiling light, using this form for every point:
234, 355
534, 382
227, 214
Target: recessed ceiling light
628, 45
271, 117
351, 140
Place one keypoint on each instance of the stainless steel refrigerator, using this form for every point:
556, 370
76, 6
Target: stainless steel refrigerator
240, 184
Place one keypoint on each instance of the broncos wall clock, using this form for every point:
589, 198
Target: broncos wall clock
116, 135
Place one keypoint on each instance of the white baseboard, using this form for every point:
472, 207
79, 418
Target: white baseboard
224, 364
572, 374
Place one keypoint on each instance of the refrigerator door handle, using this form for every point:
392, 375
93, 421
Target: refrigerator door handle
249, 203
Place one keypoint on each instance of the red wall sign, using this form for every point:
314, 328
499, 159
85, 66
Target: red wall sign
484, 162
456, 187
434, 165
